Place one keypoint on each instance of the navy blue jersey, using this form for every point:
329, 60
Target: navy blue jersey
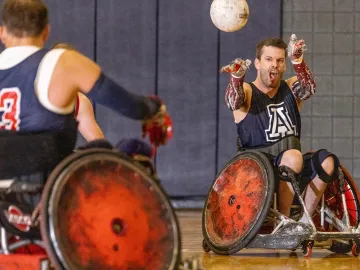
20, 108
269, 119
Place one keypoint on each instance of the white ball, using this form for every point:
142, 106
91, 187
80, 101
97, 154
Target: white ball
229, 15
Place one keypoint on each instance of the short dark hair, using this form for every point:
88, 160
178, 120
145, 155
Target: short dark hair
274, 42
24, 18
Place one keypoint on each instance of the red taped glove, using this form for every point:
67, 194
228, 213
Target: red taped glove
237, 68
159, 127
296, 49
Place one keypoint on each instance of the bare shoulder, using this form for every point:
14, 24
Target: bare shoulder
79, 69
247, 86
72, 60
291, 81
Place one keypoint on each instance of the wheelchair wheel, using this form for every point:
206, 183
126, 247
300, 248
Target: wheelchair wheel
238, 202
101, 211
333, 200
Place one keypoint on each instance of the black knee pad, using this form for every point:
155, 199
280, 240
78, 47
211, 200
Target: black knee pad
317, 158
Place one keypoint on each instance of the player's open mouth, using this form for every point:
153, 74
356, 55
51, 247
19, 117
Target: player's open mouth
273, 75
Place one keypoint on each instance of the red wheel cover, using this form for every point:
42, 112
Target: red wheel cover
235, 201
106, 214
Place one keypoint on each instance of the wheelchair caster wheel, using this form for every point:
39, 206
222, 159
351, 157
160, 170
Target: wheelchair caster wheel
205, 247
307, 249
340, 248
355, 249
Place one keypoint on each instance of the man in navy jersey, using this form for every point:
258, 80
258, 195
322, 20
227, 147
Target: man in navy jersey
39, 86
267, 110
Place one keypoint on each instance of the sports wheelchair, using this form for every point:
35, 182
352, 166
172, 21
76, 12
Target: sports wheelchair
241, 209
97, 209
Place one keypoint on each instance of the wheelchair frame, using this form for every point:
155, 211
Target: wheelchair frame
290, 234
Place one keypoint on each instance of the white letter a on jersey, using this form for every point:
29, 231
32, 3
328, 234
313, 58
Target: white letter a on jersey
280, 124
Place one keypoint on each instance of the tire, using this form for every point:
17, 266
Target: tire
238, 202
102, 211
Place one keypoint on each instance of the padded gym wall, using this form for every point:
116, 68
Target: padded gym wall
330, 119
72, 21
126, 50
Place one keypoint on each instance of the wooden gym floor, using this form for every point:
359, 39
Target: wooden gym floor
321, 258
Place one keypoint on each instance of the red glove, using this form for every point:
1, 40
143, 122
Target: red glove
296, 49
237, 68
159, 127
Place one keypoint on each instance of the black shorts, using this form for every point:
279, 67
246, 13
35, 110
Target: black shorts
308, 172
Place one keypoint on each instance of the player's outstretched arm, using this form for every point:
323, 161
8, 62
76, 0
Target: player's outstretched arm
303, 84
75, 72
235, 94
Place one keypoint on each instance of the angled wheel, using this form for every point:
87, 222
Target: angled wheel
333, 201
101, 211
238, 202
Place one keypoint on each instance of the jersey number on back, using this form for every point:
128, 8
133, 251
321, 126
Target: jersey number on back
10, 108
